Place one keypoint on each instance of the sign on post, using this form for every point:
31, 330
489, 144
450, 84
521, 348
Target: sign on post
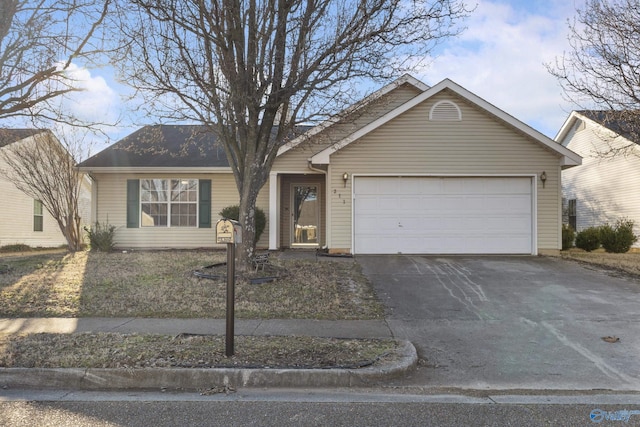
230, 232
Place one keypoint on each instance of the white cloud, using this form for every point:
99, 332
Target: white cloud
97, 102
501, 57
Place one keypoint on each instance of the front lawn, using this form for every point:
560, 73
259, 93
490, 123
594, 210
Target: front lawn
161, 284
628, 263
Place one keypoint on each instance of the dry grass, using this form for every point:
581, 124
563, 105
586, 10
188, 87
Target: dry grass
111, 350
162, 284
628, 263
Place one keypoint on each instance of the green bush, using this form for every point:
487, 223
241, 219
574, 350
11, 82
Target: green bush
16, 247
568, 236
588, 239
233, 212
618, 238
101, 237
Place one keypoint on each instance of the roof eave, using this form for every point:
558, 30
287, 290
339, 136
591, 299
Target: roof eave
155, 169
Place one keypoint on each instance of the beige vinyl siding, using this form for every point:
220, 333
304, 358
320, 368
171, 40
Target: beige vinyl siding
295, 160
111, 208
477, 145
605, 189
16, 224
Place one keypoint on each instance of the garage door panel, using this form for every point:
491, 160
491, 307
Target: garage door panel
443, 215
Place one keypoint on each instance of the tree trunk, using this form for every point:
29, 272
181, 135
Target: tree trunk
71, 232
247, 217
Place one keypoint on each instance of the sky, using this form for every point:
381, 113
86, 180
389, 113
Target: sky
500, 57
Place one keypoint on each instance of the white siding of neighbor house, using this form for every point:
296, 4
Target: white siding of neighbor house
16, 224
16, 220
605, 189
112, 208
477, 145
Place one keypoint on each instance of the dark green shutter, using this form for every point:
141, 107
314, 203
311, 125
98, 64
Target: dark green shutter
133, 203
204, 208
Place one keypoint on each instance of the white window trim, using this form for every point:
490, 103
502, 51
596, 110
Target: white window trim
169, 202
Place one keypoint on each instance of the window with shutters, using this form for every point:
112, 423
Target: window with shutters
169, 202
445, 111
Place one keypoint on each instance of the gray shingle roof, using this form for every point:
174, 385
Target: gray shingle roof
163, 146
9, 136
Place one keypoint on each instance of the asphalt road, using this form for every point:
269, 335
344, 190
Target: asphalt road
311, 408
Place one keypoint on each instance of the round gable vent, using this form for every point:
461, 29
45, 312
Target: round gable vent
445, 111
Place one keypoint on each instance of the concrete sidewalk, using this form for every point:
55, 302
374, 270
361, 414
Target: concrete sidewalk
393, 366
286, 327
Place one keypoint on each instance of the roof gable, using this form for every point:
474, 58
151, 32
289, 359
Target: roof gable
569, 158
338, 118
616, 123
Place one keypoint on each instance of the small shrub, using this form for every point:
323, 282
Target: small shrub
588, 239
17, 247
101, 237
233, 212
618, 238
568, 236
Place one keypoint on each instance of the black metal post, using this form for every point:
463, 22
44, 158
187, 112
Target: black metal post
231, 291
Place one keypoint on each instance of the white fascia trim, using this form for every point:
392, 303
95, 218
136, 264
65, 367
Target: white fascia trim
569, 157
407, 78
172, 170
566, 127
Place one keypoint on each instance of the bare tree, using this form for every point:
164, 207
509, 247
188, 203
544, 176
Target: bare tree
43, 168
39, 39
602, 69
251, 70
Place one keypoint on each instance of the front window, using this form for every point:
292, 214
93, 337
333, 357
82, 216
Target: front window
169, 202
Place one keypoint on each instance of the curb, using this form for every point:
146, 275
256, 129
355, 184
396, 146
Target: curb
404, 360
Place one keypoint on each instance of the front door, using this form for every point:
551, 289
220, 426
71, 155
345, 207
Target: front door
305, 212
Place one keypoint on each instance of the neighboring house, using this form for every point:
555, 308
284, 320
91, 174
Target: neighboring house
410, 169
24, 220
605, 187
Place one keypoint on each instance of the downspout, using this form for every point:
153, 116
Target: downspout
94, 199
310, 166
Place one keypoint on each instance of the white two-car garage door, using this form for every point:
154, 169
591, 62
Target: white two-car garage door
443, 215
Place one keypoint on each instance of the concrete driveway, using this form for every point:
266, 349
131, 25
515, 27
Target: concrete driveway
511, 322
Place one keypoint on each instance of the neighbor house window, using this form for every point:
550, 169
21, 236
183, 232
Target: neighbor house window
38, 216
169, 202
572, 213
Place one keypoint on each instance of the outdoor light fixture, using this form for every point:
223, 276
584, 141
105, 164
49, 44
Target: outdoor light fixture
543, 178
345, 178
